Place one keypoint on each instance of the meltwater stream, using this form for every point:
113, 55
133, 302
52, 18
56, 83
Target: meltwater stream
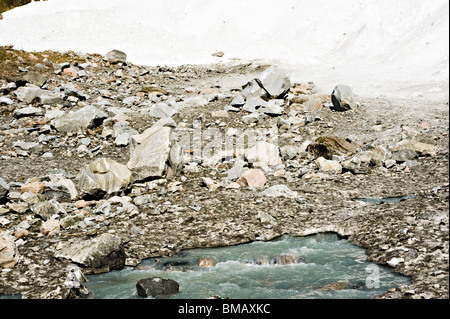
325, 267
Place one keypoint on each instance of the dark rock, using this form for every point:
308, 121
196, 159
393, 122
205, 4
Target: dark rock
157, 287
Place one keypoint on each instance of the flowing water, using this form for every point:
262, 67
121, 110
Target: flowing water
254, 271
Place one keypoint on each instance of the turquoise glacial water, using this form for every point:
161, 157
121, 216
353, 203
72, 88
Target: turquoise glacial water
249, 271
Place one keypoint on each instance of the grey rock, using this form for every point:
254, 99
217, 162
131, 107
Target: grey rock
272, 109
275, 81
115, 56
28, 94
47, 209
103, 253
60, 189
35, 78
233, 173
69, 90
163, 110
79, 121
28, 112
4, 100
343, 98
4, 189
253, 90
157, 287
122, 133
149, 152
238, 101
264, 153
103, 177
403, 155
33, 147
280, 191
253, 104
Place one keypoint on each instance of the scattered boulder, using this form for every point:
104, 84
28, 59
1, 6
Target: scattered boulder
9, 255
275, 82
329, 165
4, 189
122, 133
103, 177
60, 189
163, 110
157, 287
265, 154
115, 56
29, 94
77, 122
50, 227
28, 112
343, 98
209, 182
252, 178
280, 191
149, 152
35, 78
403, 155
423, 149
327, 146
103, 253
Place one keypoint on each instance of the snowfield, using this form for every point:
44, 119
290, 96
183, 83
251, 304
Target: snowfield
378, 47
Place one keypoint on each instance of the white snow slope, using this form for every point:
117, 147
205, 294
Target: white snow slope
378, 47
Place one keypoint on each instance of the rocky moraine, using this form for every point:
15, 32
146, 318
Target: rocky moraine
104, 163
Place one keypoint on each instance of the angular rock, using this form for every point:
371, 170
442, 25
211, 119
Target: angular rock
253, 104
209, 182
60, 189
276, 82
238, 101
157, 287
9, 255
50, 227
122, 133
4, 189
343, 98
252, 178
28, 111
103, 253
328, 165
264, 153
149, 152
103, 177
280, 191
424, 149
404, 155
115, 56
48, 209
28, 94
79, 121
35, 78
162, 110
253, 90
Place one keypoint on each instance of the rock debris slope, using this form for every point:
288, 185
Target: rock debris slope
213, 173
